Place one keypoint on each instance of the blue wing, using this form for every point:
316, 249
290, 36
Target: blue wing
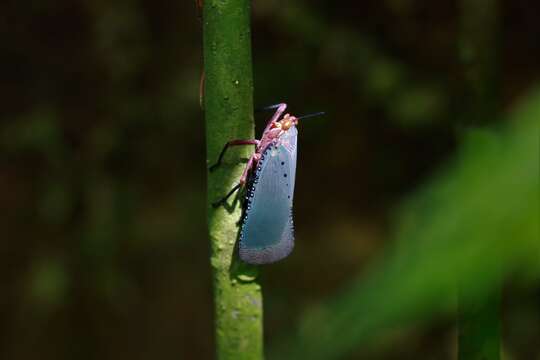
267, 231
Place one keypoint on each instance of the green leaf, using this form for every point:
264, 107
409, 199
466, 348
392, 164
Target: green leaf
476, 221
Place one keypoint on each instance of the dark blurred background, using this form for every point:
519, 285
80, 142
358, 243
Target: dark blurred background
103, 198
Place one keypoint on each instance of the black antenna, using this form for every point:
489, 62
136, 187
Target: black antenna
310, 115
267, 108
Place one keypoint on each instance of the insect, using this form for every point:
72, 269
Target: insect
267, 232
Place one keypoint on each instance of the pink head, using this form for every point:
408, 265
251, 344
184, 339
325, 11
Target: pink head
289, 121
286, 122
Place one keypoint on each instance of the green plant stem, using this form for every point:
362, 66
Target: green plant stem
479, 328
479, 324
228, 103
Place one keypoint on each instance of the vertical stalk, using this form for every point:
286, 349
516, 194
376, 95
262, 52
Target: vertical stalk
479, 328
228, 103
479, 324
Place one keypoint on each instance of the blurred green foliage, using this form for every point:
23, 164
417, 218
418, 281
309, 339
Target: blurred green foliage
48, 284
473, 224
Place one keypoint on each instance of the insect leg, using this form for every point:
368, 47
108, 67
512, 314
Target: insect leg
201, 91
242, 182
232, 143
224, 199
248, 167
